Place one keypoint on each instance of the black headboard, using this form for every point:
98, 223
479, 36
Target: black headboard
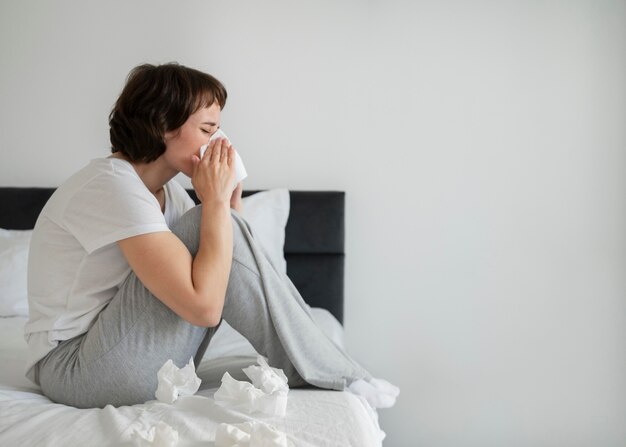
314, 239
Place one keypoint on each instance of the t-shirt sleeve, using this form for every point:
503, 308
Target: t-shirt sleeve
111, 208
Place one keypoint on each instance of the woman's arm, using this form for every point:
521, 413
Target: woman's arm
194, 288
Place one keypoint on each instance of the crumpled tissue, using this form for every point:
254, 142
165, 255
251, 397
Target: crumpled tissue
266, 394
268, 379
249, 434
159, 435
174, 381
377, 392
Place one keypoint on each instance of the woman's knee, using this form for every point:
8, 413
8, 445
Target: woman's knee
187, 228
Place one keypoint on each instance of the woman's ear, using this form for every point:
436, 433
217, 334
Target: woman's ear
170, 134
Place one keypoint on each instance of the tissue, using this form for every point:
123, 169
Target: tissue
240, 169
268, 379
244, 396
159, 435
174, 381
249, 434
266, 394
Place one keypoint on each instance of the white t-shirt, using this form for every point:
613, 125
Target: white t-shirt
75, 265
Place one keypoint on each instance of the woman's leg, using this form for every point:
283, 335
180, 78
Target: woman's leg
117, 360
266, 308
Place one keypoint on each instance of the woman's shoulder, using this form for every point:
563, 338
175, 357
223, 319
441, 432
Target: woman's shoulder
104, 174
101, 179
106, 169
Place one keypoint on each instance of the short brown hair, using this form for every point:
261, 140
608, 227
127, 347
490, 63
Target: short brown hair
158, 99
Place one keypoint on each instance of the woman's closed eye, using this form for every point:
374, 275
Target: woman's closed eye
210, 131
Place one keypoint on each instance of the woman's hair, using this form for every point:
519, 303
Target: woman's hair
155, 100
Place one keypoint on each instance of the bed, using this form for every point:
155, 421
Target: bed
308, 229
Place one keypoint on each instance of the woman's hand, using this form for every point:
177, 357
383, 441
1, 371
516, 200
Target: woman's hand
235, 200
214, 174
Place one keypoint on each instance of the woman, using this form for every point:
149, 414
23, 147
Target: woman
126, 273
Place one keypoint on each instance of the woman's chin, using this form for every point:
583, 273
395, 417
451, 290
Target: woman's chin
187, 172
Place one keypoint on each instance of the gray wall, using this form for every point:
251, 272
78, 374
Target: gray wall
482, 146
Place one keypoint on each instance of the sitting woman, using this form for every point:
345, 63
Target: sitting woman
126, 273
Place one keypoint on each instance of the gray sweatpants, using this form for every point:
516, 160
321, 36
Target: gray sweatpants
117, 360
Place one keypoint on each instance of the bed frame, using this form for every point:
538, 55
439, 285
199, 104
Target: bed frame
314, 239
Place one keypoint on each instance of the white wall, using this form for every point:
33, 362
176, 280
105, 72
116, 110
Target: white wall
483, 152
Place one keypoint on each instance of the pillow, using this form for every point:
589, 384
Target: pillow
267, 213
227, 341
13, 267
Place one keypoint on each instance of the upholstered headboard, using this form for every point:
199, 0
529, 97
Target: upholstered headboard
314, 239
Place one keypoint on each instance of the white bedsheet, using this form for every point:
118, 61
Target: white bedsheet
314, 417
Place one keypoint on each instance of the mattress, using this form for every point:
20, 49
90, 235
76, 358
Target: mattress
314, 417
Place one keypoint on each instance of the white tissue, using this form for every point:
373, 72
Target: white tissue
268, 379
159, 435
240, 169
266, 394
174, 381
249, 434
377, 392
244, 396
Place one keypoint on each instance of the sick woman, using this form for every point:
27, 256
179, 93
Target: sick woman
125, 272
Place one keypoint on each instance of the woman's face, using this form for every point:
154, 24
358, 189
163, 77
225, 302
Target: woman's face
182, 144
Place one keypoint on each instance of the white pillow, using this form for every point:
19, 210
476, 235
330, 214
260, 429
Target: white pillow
13, 267
267, 213
227, 341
